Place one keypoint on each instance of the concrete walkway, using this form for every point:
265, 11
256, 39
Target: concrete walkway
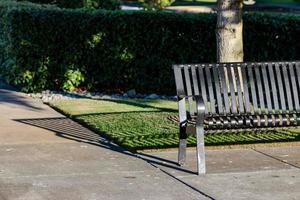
212, 7
47, 156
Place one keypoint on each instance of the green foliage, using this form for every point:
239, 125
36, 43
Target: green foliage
68, 3
60, 3
271, 37
156, 4
144, 124
73, 78
91, 4
118, 51
103, 4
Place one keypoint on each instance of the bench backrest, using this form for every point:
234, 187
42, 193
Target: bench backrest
242, 88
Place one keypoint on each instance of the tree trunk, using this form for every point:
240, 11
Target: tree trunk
229, 31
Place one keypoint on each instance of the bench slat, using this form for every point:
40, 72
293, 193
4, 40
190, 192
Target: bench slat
273, 86
280, 86
287, 86
224, 88
203, 88
245, 88
298, 74
267, 87
210, 90
195, 81
231, 79
179, 81
260, 88
218, 90
252, 88
294, 85
237, 72
189, 89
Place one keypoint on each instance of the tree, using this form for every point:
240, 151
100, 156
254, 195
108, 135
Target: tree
229, 31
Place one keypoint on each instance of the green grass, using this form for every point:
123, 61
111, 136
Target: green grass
143, 124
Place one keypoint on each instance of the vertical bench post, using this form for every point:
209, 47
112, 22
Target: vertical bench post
182, 132
200, 135
182, 114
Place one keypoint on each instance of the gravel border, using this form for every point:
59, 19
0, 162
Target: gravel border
48, 95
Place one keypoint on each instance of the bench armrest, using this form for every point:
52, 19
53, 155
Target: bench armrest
200, 107
200, 110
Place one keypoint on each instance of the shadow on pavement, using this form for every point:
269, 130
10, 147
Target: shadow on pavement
66, 128
8, 96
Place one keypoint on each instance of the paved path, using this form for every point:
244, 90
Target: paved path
47, 156
211, 8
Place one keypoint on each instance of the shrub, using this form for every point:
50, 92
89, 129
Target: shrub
73, 78
117, 50
271, 37
103, 4
113, 50
92, 4
60, 3
156, 4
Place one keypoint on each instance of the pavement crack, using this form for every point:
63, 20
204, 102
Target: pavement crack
282, 161
178, 180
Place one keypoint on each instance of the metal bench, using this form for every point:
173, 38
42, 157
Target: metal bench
235, 96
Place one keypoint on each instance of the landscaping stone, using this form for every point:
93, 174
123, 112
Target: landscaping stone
173, 98
116, 96
49, 95
152, 96
139, 95
106, 97
131, 93
96, 97
89, 95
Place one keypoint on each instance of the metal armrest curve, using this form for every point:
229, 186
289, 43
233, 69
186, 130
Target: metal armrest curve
200, 110
200, 107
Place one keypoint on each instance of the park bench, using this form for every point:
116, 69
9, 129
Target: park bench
234, 96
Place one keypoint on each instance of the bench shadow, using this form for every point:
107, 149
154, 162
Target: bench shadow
68, 129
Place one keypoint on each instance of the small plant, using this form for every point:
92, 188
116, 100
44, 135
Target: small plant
73, 78
59, 3
91, 4
103, 4
156, 4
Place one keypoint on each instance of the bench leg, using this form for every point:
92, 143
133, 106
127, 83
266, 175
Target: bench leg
182, 145
200, 150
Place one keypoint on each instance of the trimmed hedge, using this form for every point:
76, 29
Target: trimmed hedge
117, 51
59, 3
271, 37
95, 4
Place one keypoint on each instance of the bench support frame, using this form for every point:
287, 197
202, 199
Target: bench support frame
201, 169
236, 96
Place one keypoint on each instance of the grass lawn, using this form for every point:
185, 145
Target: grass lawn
143, 124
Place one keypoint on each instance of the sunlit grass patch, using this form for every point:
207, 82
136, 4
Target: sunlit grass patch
144, 124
